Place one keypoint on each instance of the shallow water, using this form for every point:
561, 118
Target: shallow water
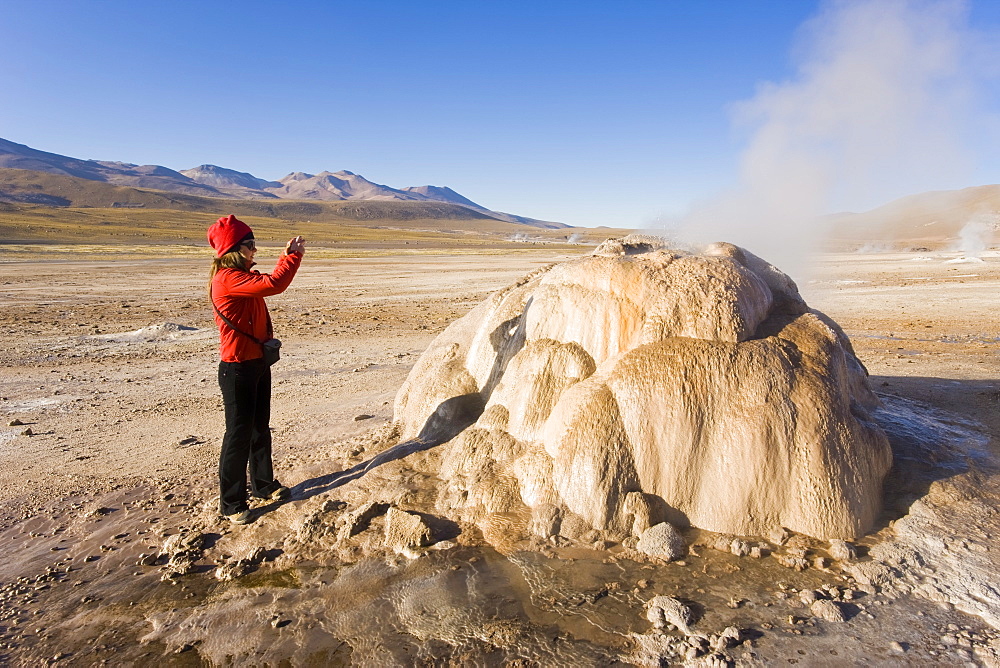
553, 604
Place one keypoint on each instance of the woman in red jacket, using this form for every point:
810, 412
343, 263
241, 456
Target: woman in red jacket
237, 295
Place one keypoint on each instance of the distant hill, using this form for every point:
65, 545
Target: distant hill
340, 185
57, 190
18, 156
213, 181
445, 194
224, 179
930, 216
442, 194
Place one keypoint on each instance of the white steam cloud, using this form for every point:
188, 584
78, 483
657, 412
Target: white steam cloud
883, 104
975, 236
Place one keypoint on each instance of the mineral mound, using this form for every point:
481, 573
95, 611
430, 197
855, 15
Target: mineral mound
644, 384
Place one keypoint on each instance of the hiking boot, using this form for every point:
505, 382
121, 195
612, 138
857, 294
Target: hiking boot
279, 494
240, 517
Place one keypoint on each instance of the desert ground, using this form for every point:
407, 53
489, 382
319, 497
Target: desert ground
109, 445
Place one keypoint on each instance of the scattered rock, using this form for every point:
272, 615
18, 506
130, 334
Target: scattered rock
182, 550
779, 536
831, 611
363, 416
256, 555
841, 550
572, 526
722, 542
710, 661
637, 506
444, 545
740, 548
100, 511
182, 542
357, 520
27, 432
662, 540
666, 610
231, 570
545, 520
897, 647
405, 531
792, 561
730, 637
147, 559
15, 423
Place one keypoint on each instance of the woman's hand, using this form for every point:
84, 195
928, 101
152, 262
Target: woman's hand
296, 245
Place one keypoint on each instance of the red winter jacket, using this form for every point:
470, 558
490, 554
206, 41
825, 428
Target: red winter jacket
239, 295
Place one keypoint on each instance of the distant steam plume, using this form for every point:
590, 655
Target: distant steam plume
883, 104
975, 236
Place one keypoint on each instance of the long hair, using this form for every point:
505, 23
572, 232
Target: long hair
231, 260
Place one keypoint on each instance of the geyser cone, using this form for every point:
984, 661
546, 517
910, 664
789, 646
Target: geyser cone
643, 384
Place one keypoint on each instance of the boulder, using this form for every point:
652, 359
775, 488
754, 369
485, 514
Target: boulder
700, 382
665, 611
405, 531
841, 550
831, 611
663, 541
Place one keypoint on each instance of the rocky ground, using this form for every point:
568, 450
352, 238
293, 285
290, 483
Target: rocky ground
114, 551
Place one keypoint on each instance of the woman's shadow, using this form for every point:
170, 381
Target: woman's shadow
449, 419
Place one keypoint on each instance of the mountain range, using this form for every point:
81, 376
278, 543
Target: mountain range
935, 215
214, 181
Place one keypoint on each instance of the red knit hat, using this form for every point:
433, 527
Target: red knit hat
227, 233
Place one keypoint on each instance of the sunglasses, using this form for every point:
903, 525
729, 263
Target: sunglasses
250, 243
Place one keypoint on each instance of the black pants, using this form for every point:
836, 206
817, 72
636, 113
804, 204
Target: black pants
246, 394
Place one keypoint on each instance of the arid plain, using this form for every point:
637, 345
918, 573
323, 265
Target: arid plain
110, 360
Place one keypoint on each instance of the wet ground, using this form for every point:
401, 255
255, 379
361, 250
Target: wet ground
111, 367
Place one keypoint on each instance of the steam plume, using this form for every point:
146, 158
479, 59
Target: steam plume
882, 105
974, 237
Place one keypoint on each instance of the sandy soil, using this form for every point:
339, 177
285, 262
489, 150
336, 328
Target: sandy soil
110, 363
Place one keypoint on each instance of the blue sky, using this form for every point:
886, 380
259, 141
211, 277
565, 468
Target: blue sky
590, 113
